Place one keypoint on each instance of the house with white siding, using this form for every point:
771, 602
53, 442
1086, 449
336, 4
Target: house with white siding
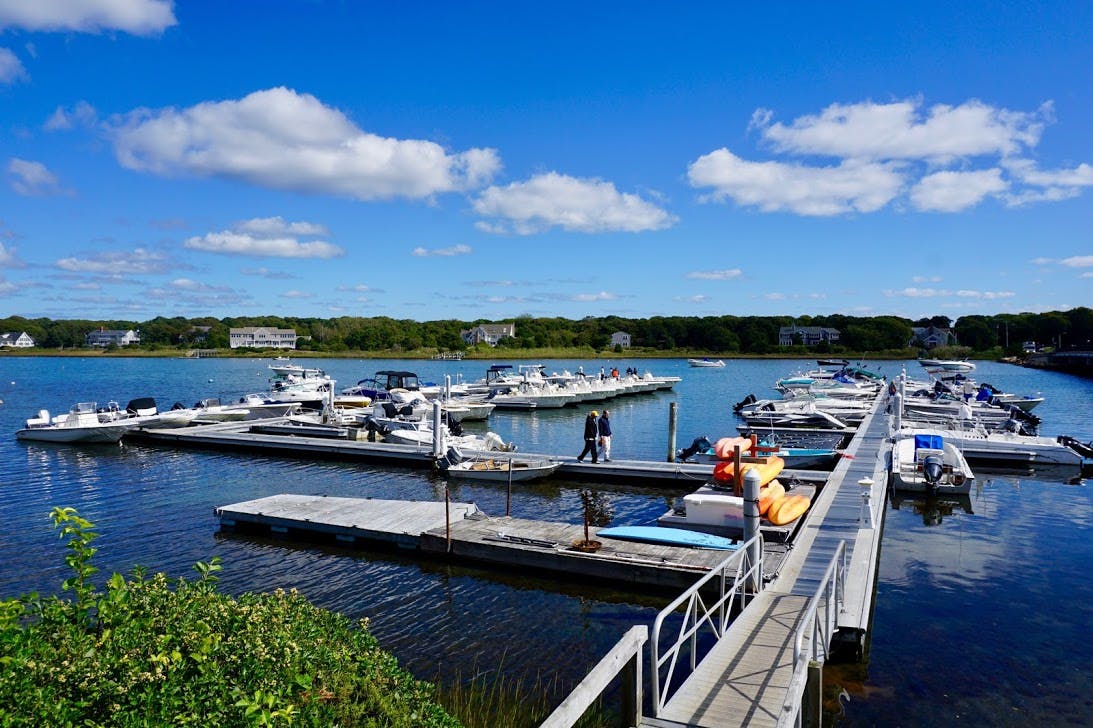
106, 337
488, 333
621, 339
262, 337
810, 335
17, 340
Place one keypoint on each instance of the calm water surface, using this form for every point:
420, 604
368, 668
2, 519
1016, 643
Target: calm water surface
982, 606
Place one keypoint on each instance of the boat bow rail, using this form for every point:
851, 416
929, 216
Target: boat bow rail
744, 574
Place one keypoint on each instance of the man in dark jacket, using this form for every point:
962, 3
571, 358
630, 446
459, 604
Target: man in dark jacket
591, 432
605, 437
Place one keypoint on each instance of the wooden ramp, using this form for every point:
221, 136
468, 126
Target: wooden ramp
744, 680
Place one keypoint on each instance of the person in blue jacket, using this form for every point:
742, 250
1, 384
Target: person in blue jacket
591, 432
605, 437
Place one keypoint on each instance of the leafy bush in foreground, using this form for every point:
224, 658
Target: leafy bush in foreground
142, 653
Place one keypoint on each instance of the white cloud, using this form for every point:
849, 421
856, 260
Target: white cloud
82, 114
267, 237
442, 252
986, 295
926, 279
296, 294
11, 68
285, 140
139, 17
1026, 171
776, 186
774, 296
716, 275
8, 258
904, 130
1078, 261
589, 297
918, 292
573, 204
956, 191
697, 298
33, 179
138, 261
263, 272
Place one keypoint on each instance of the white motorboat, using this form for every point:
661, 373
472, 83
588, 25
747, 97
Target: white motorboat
83, 423
924, 461
1001, 448
498, 469
934, 366
706, 362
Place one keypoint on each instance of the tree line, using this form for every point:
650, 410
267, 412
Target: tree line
726, 335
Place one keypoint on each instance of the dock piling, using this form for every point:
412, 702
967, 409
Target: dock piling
672, 417
752, 482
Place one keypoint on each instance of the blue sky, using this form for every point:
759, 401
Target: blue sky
490, 160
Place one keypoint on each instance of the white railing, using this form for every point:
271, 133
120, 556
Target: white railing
814, 633
737, 575
625, 658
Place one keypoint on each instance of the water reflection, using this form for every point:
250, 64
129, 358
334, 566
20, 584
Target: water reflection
932, 508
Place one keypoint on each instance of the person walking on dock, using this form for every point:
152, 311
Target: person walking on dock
605, 437
591, 432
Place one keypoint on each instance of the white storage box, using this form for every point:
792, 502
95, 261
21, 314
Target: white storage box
712, 507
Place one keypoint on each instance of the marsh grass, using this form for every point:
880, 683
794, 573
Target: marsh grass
489, 699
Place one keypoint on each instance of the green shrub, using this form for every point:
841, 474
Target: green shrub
144, 653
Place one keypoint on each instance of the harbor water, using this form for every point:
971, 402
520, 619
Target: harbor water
982, 604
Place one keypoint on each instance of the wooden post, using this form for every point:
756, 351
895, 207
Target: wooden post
737, 475
672, 416
448, 517
508, 493
812, 701
631, 688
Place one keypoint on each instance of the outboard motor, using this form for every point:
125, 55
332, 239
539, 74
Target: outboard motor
696, 446
750, 399
933, 467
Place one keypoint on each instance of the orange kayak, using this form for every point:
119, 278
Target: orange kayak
788, 509
769, 494
725, 448
726, 469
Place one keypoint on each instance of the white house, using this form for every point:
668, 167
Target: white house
620, 338
106, 337
929, 337
810, 335
262, 337
489, 333
19, 340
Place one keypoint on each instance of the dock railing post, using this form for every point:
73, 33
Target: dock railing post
751, 527
448, 517
447, 386
672, 415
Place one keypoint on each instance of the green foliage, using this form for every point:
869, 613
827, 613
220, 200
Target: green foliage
144, 653
750, 335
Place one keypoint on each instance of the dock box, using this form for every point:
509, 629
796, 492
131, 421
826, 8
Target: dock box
710, 507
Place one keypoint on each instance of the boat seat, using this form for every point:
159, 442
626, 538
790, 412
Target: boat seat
42, 420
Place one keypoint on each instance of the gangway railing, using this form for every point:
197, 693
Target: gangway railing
624, 659
814, 634
738, 575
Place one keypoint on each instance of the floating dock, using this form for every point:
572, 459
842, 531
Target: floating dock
237, 436
460, 532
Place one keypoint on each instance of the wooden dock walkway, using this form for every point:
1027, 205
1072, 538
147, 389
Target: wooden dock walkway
470, 536
744, 680
236, 436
